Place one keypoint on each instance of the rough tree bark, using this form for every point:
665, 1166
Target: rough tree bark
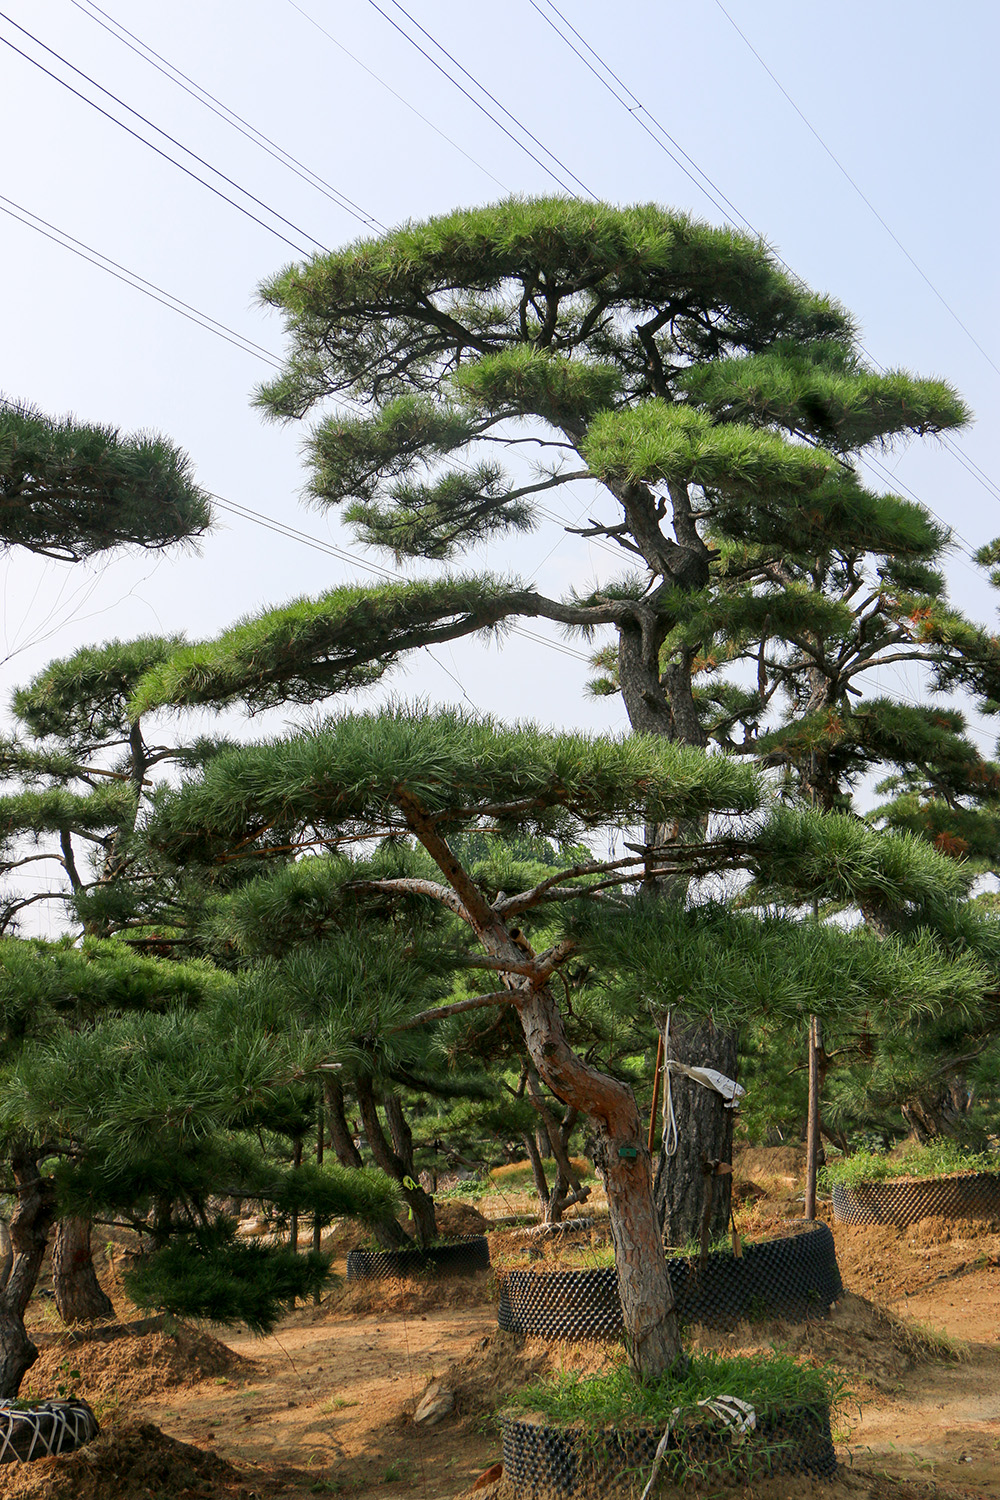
34, 1211
397, 1160
389, 1234
79, 1295
621, 1153
704, 1133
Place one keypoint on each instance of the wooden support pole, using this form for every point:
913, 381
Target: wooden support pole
654, 1107
812, 1122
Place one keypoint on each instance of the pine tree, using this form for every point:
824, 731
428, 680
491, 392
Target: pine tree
425, 779
71, 490
719, 406
137, 1088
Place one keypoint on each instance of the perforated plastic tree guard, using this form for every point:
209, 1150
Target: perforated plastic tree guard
547, 1463
966, 1195
44, 1430
459, 1258
797, 1277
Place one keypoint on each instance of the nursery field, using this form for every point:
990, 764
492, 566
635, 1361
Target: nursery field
326, 1405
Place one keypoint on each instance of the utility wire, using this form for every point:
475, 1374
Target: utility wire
864, 198
637, 110
634, 111
389, 89
246, 512
131, 278
177, 76
482, 107
164, 154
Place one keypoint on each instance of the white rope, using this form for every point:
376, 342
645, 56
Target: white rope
55, 1426
739, 1416
669, 1146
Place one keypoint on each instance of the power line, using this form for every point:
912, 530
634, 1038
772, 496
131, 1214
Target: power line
246, 512
482, 107
639, 109
164, 154
378, 79
177, 76
864, 198
635, 110
134, 280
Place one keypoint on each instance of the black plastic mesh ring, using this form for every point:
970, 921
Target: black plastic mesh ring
796, 1278
966, 1195
458, 1258
547, 1463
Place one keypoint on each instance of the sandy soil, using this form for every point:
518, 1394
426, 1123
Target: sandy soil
325, 1406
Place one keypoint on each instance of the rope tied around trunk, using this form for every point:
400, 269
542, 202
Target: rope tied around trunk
709, 1078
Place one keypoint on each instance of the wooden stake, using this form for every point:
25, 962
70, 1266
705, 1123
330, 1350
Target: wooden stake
656, 1090
812, 1123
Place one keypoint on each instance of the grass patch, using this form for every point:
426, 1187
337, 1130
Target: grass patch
938, 1159
770, 1383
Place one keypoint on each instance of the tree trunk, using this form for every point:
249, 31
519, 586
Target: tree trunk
389, 1234
649, 1313
538, 1173
79, 1295
704, 1132
944, 1113
34, 1211
398, 1167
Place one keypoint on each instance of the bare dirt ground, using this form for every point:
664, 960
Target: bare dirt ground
326, 1406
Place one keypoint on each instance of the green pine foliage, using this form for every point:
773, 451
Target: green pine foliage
209, 1273
71, 490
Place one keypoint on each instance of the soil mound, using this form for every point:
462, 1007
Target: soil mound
112, 1363
411, 1294
131, 1462
455, 1219
501, 1362
867, 1342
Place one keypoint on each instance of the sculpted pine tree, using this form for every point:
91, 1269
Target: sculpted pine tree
426, 780
716, 405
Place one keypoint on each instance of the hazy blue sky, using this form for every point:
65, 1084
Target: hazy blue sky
903, 96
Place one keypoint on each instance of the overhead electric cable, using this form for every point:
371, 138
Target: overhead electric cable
390, 90
639, 109
137, 282
482, 107
861, 194
947, 442
164, 154
176, 75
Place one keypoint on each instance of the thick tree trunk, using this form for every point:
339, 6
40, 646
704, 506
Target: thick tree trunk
34, 1211
649, 1314
389, 1234
704, 1132
945, 1113
79, 1295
